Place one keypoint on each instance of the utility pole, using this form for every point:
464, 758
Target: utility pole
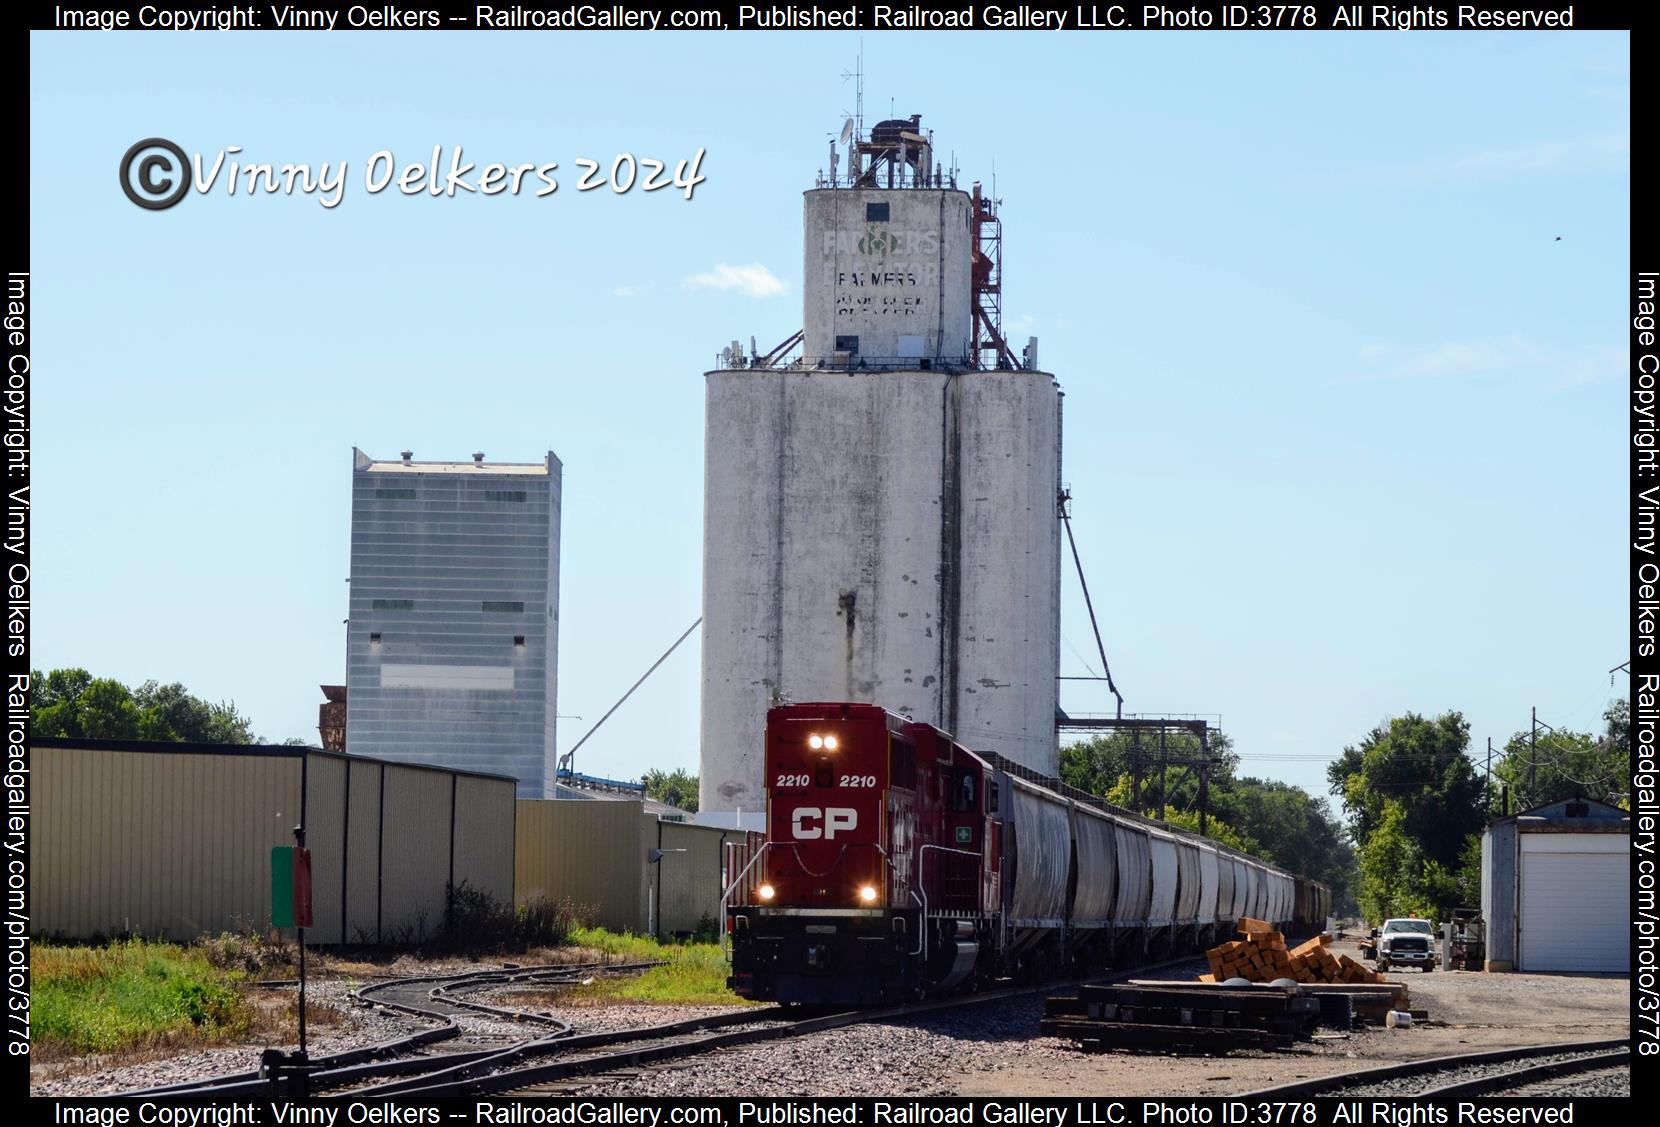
1162, 762
1489, 780
1532, 751
1135, 771
1204, 781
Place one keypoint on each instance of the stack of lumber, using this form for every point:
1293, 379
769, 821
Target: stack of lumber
1171, 1017
1261, 956
1368, 1001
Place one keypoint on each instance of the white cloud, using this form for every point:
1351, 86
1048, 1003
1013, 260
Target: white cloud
627, 291
1508, 356
753, 280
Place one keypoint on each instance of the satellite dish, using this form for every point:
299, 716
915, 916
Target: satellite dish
847, 131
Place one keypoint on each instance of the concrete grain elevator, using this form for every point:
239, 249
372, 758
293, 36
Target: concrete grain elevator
880, 512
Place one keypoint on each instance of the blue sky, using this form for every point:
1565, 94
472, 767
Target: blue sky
1344, 419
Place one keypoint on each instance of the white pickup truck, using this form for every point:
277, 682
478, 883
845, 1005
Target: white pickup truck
1409, 943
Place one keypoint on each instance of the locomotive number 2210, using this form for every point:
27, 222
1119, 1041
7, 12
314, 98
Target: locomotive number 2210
857, 781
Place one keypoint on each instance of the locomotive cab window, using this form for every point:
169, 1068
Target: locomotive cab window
991, 798
964, 791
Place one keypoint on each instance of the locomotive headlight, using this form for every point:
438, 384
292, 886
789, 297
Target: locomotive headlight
868, 894
815, 742
829, 743
765, 892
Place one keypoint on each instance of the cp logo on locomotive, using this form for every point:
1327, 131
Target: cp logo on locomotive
809, 823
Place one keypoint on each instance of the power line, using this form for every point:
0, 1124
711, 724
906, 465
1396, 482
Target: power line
568, 760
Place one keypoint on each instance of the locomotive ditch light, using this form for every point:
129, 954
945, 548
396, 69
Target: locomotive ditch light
868, 894
765, 892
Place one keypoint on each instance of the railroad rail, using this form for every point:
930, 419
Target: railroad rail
662, 1044
1461, 1074
429, 997
392, 1069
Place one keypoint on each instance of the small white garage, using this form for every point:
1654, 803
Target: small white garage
1556, 889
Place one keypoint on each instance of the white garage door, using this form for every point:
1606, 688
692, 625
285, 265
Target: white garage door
1575, 901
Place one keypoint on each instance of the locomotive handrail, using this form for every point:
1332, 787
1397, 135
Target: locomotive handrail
921, 860
921, 898
921, 895
726, 895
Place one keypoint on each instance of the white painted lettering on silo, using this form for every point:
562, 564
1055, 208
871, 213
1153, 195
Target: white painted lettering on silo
886, 263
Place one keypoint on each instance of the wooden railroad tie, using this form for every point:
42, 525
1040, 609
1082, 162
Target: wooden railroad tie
1177, 1018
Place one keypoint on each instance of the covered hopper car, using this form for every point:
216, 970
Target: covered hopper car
898, 863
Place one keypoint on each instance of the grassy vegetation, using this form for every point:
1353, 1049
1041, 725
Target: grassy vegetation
133, 993
691, 974
475, 921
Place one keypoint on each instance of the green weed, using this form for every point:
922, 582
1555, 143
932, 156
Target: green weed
132, 993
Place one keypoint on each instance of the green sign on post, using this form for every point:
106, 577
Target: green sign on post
282, 886
290, 886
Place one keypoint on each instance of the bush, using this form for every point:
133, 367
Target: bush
474, 920
256, 954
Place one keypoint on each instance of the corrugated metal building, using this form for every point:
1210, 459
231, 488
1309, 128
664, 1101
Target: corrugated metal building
1556, 888
630, 869
173, 840
452, 647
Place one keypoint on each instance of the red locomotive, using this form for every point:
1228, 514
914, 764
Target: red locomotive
897, 862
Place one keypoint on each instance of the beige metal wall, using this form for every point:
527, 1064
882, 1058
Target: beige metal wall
689, 883
362, 860
325, 836
484, 816
166, 845
590, 852
415, 853
176, 844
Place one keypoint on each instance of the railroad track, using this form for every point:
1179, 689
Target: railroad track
436, 998
396, 1068
657, 1046
1461, 1075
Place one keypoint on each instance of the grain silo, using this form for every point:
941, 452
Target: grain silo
880, 513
